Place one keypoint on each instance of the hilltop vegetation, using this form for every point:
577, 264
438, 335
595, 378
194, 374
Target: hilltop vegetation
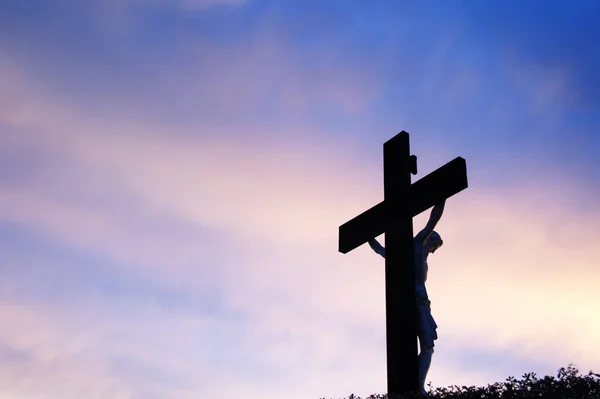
569, 384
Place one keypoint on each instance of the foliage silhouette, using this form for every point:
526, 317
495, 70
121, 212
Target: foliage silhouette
568, 384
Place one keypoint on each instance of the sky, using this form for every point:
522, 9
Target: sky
173, 174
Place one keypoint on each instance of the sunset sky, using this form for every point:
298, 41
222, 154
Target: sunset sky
173, 174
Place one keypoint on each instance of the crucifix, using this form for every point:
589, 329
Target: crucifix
393, 216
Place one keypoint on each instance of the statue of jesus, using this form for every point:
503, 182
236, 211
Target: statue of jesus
425, 242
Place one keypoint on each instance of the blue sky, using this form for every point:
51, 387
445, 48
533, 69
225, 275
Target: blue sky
173, 173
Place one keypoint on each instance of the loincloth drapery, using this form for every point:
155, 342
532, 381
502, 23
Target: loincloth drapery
426, 324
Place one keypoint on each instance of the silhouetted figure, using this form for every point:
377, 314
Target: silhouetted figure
426, 241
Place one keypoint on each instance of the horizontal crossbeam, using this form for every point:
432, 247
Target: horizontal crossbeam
443, 183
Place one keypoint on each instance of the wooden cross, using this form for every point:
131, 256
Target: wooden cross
402, 201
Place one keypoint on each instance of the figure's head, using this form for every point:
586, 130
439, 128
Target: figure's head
433, 242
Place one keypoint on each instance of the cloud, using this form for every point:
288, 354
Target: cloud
306, 310
136, 179
545, 87
194, 5
192, 76
250, 217
267, 72
73, 352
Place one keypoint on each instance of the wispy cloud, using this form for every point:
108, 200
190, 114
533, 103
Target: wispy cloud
198, 258
191, 5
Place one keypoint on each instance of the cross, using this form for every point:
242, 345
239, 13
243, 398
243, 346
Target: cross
393, 216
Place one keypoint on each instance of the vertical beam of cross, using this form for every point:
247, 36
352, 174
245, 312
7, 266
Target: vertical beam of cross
401, 333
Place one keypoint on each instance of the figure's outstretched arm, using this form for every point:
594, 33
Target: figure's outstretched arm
377, 247
434, 218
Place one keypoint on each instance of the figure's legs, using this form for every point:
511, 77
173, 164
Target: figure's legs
425, 354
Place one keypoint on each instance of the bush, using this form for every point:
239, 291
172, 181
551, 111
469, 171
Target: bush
567, 385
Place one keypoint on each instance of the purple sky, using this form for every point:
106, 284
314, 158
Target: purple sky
173, 174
